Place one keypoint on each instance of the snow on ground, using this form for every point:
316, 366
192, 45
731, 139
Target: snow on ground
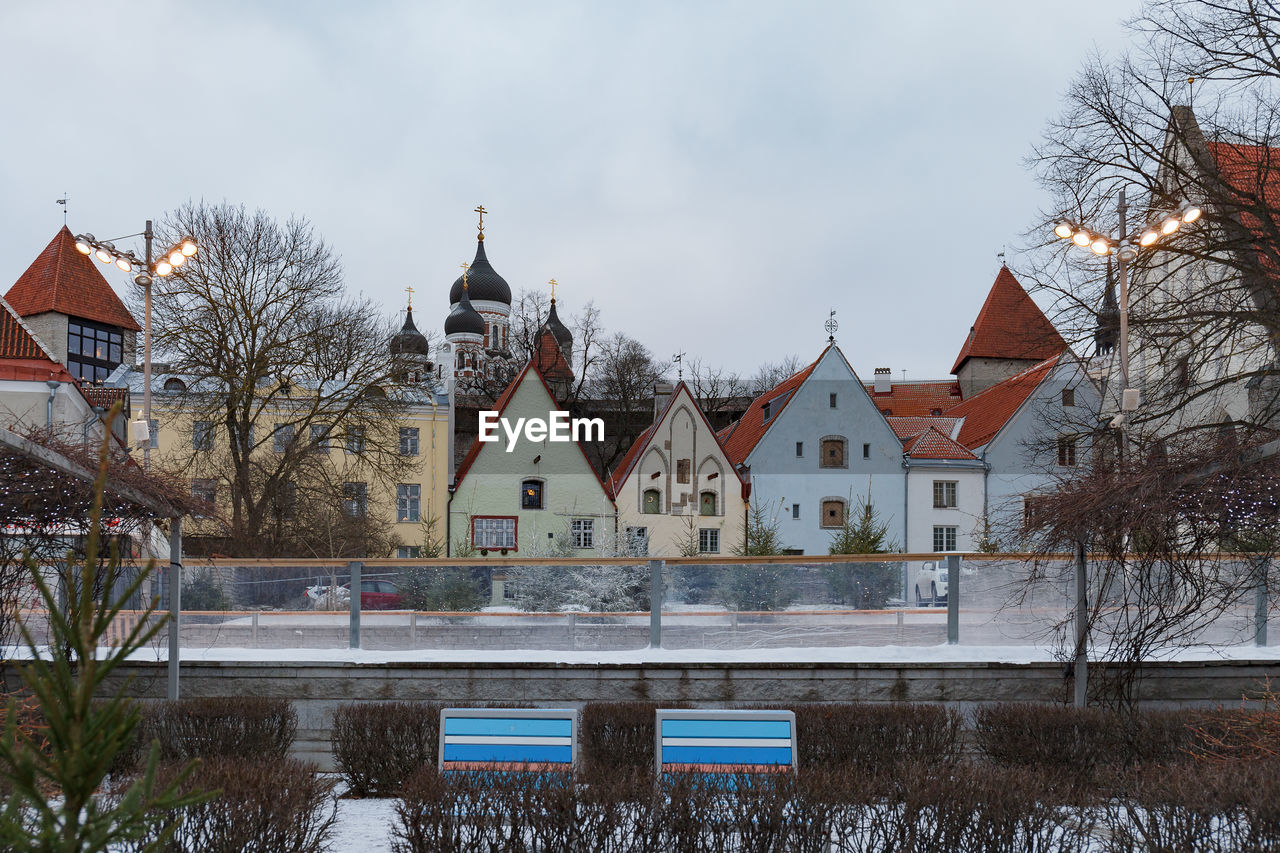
836, 654
363, 826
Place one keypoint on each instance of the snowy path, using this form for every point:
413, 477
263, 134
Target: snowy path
363, 826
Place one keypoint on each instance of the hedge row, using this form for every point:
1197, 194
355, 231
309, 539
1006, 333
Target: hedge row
969, 807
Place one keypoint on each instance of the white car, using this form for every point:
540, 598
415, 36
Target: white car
931, 583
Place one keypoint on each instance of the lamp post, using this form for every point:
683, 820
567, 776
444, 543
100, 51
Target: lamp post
147, 267
1125, 253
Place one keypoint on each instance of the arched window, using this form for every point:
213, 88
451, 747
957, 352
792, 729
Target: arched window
832, 512
531, 494
175, 385
652, 501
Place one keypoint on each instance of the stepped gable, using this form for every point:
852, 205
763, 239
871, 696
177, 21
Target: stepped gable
986, 413
1010, 326
741, 437
63, 280
925, 399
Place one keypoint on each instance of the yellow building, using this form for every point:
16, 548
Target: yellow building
298, 454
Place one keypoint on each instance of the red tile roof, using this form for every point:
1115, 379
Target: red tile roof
1253, 173
987, 412
16, 340
105, 398
629, 460
916, 399
742, 436
1011, 326
500, 407
932, 444
907, 427
63, 280
22, 357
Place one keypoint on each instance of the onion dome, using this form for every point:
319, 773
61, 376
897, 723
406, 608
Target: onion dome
409, 340
482, 280
465, 320
561, 332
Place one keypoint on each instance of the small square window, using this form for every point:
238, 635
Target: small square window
1067, 451
709, 540
832, 513
583, 531
1068, 396
944, 538
202, 435
531, 494
799, 448
355, 499
944, 494
355, 440
408, 502
408, 441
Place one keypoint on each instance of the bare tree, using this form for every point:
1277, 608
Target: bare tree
771, 373
279, 365
621, 385
1204, 309
717, 389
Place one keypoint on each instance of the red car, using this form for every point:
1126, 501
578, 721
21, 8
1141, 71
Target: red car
378, 595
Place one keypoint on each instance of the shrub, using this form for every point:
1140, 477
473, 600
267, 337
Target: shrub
203, 592
616, 735
248, 727
452, 589
280, 806
378, 745
872, 736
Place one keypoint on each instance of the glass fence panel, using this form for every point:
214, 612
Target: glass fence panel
1014, 602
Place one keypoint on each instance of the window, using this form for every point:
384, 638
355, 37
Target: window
408, 441
944, 538
683, 467
319, 439
638, 541
493, 533
944, 494
708, 540
833, 401
1068, 396
866, 451
155, 433
1066, 450
202, 435
355, 499
93, 350
832, 453
174, 385
281, 438
1033, 512
408, 501
707, 503
832, 512
207, 491
652, 501
409, 552
531, 494
355, 440
583, 531
285, 501
795, 510
799, 448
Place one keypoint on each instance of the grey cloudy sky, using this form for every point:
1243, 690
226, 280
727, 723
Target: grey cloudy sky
716, 175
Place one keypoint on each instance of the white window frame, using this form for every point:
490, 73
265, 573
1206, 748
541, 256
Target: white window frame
708, 540
944, 535
408, 503
583, 532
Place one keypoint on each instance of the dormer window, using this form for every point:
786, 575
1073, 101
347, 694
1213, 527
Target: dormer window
174, 385
93, 349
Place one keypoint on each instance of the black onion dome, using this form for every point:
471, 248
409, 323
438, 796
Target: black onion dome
409, 339
464, 318
482, 280
561, 332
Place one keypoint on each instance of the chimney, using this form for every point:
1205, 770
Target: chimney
884, 380
661, 394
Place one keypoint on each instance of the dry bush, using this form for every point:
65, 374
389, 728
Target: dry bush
873, 736
278, 806
617, 735
378, 745
1243, 734
248, 727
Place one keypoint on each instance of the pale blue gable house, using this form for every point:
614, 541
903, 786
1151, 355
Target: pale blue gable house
812, 447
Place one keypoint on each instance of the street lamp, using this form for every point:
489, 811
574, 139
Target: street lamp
173, 257
1102, 244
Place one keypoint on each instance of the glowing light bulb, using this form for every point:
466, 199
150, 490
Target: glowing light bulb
1063, 230
1170, 225
1148, 237
163, 268
176, 258
123, 263
1081, 238
1100, 246
189, 247
1190, 213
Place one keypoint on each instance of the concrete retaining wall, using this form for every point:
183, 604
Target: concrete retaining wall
317, 688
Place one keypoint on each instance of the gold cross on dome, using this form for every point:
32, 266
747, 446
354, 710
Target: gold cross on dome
465, 266
553, 290
409, 290
480, 210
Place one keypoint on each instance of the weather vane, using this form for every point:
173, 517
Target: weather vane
63, 201
678, 358
480, 210
409, 290
831, 326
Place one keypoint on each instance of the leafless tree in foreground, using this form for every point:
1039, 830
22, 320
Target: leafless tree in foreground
279, 366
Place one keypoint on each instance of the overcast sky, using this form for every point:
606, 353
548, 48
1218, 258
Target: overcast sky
715, 176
